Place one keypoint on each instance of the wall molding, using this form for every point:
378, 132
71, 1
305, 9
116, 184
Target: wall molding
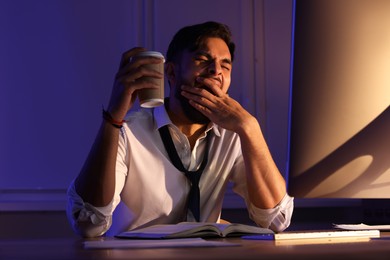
33, 199
56, 199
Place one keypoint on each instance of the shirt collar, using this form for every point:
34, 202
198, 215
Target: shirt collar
161, 118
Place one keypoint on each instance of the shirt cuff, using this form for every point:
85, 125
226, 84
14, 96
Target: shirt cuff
277, 218
86, 219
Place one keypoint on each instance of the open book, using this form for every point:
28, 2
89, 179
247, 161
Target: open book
194, 229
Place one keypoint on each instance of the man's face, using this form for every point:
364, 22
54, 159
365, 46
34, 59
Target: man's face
213, 60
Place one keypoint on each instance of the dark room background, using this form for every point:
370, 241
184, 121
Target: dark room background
58, 59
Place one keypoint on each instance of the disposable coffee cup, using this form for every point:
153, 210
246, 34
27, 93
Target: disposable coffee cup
152, 97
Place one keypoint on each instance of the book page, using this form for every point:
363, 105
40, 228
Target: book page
193, 229
183, 229
241, 229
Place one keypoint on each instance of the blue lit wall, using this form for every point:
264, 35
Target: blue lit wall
58, 59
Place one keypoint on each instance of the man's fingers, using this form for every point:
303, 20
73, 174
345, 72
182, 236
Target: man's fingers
128, 54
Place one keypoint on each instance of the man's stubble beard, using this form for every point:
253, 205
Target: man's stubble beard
190, 112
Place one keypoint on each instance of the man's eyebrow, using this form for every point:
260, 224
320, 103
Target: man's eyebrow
202, 53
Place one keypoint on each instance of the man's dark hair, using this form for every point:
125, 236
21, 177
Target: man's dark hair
193, 37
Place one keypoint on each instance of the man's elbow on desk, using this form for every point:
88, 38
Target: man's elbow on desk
276, 219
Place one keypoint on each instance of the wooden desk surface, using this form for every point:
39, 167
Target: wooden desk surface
249, 249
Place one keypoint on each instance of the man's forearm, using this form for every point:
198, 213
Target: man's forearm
266, 186
96, 181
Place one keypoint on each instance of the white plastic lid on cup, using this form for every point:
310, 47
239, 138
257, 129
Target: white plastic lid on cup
154, 54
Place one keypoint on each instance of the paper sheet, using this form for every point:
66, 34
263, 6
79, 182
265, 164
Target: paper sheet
361, 227
158, 243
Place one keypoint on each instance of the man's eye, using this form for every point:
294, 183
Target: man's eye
201, 59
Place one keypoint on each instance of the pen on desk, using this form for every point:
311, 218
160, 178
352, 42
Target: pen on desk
259, 237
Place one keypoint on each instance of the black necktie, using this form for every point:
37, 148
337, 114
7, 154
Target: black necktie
193, 176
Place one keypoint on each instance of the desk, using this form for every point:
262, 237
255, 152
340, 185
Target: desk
248, 249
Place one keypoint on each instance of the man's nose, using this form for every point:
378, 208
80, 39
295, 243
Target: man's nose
214, 68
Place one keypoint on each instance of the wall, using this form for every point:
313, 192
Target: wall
58, 59
57, 63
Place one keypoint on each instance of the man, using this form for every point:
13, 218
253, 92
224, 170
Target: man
129, 180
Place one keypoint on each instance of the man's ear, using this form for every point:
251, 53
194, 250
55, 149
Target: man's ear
170, 72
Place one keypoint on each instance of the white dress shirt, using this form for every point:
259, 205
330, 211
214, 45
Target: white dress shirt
150, 190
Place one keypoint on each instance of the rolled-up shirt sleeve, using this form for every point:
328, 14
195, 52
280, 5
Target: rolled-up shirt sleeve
86, 219
277, 218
